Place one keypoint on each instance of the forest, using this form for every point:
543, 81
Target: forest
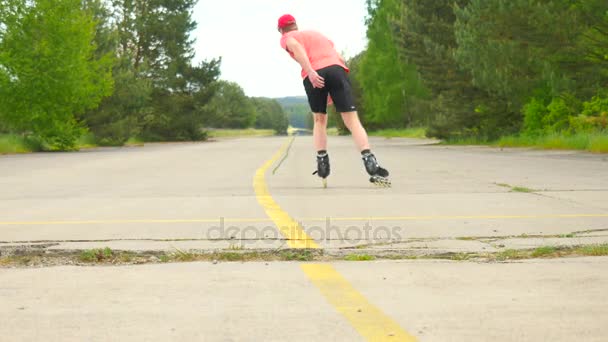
110, 71
485, 69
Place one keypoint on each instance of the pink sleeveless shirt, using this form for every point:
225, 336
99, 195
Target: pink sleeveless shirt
320, 50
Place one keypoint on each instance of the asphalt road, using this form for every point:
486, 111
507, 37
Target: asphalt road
260, 194
198, 191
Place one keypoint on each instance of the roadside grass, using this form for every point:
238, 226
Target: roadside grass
86, 141
592, 142
466, 141
96, 255
593, 250
596, 142
543, 251
239, 133
107, 256
413, 132
133, 142
297, 255
10, 143
551, 252
359, 257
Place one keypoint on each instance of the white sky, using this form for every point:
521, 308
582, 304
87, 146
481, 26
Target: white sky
243, 33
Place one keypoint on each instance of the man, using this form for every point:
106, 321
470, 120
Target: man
326, 74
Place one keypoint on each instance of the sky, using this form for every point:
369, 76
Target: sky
244, 34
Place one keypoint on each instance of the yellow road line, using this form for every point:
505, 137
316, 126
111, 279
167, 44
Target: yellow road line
312, 219
86, 222
290, 228
456, 217
366, 318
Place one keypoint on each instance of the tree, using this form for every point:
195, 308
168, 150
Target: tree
390, 85
426, 38
155, 47
270, 115
49, 74
119, 116
543, 56
230, 107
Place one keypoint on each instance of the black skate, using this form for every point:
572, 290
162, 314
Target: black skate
378, 174
323, 169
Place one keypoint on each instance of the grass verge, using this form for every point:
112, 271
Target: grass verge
359, 257
107, 256
591, 142
414, 132
10, 143
239, 133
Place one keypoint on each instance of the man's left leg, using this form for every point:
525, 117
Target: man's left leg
352, 122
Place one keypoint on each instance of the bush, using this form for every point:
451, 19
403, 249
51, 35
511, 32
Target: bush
594, 116
554, 117
557, 116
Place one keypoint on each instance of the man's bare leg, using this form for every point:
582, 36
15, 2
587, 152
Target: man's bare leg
378, 173
352, 122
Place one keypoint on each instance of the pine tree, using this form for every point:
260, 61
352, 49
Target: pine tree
426, 39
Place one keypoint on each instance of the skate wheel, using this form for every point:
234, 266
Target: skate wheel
380, 182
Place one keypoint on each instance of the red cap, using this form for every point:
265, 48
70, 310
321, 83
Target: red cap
286, 20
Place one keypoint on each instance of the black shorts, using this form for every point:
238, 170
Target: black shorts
337, 85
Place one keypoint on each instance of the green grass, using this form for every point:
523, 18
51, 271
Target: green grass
543, 251
516, 188
296, 255
134, 142
165, 258
592, 142
239, 133
522, 189
86, 141
593, 250
466, 141
96, 255
359, 257
414, 132
10, 143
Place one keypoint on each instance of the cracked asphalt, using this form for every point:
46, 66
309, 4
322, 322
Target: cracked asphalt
201, 196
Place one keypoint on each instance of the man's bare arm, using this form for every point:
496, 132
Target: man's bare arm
300, 55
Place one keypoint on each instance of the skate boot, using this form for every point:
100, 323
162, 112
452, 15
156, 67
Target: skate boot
378, 174
323, 169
